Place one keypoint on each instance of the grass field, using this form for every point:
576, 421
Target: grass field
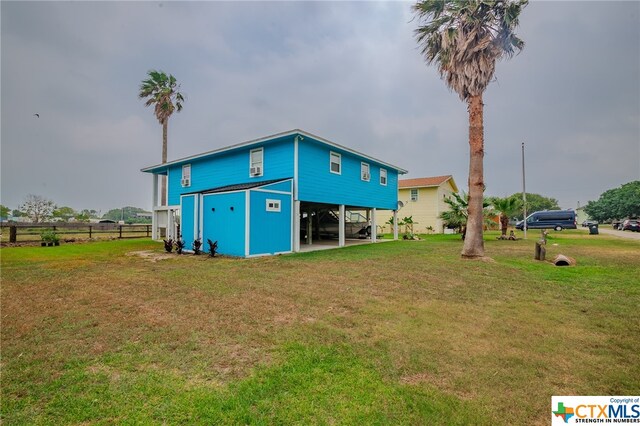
400, 332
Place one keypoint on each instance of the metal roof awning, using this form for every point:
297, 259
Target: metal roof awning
238, 187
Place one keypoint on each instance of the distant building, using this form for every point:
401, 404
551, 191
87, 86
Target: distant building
423, 200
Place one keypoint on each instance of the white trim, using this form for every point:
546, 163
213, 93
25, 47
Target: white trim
362, 172
268, 254
247, 222
272, 191
261, 149
197, 217
331, 154
295, 166
386, 177
268, 138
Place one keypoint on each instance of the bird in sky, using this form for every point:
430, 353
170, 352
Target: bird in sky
37, 115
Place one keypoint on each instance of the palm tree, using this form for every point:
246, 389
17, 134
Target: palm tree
161, 90
465, 38
458, 214
507, 207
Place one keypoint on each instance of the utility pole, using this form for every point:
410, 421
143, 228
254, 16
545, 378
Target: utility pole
524, 196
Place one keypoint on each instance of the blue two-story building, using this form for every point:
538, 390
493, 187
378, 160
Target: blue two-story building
269, 195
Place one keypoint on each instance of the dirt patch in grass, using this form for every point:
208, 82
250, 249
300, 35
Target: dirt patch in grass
151, 255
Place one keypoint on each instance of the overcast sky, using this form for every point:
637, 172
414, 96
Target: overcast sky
347, 71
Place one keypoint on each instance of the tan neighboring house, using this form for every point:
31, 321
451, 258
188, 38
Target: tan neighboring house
423, 200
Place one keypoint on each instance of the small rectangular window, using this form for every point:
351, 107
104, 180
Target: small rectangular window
186, 176
256, 162
273, 205
383, 177
364, 172
335, 163
414, 195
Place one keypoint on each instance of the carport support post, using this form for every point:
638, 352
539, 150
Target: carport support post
296, 226
395, 224
341, 236
374, 229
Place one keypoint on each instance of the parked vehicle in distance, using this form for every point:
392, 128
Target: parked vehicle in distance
616, 224
550, 219
588, 223
630, 225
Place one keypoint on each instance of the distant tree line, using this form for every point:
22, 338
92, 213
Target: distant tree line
40, 209
617, 203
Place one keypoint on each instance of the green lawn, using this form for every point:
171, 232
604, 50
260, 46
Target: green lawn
401, 332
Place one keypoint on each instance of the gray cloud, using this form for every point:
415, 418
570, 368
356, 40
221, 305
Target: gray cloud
350, 72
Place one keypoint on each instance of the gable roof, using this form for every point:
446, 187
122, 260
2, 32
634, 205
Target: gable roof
427, 182
267, 139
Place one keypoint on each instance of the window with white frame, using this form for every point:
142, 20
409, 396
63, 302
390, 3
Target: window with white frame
364, 172
335, 163
186, 176
273, 205
256, 162
414, 195
383, 177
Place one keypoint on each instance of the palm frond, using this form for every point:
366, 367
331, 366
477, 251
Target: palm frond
162, 91
465, 38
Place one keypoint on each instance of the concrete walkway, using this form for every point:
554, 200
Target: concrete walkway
606, 229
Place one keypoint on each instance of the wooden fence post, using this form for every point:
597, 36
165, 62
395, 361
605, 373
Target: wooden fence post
148, 230
90, 228
120, 229
13, 231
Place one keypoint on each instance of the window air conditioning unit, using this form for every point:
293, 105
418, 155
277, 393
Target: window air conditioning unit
185, 182
365, 176
255, 171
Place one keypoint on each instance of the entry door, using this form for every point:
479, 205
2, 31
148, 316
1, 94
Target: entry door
224, 221
189, 219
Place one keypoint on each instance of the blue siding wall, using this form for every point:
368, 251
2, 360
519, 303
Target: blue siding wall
316, 183
232, 168
279, 186
189, 234
223, 224
270, 232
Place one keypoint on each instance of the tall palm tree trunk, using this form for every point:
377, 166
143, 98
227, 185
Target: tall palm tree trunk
163, 195
473, 242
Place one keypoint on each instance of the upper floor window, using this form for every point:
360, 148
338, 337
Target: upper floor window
186, 175
256, 162
335, 163
383, 177
364, 172
414, 195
